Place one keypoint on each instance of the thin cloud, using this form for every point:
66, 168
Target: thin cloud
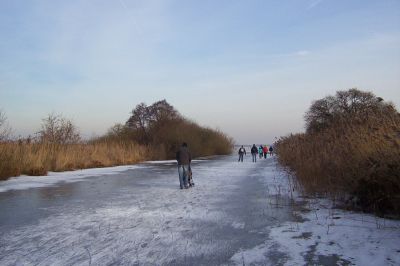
291, 54
302, 53
313, 4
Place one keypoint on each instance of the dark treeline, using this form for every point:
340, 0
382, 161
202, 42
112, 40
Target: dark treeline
350, 151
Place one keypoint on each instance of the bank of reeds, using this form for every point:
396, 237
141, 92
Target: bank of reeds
153, 132
39, 158
202, 141
355, 158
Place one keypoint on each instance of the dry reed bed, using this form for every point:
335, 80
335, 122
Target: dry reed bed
357, 162
39, 158
152, 132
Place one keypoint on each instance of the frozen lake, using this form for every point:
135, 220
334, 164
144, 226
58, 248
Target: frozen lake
237, 214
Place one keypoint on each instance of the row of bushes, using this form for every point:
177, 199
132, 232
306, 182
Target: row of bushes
152, 132
350, 151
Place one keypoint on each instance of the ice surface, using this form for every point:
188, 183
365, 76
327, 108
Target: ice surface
237, 214
52, 178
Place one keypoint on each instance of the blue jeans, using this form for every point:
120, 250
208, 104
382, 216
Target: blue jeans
254, 156
183, 175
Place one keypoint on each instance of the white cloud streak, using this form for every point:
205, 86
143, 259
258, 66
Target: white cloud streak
314, 3
302, 53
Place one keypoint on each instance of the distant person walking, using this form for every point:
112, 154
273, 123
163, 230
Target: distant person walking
241, 152
260, 151
265, 151
254, 152
184, 158
271, 150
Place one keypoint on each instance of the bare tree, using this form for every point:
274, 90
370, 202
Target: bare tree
162, 110
145, 119
57, 129
139, 122
117, 130
320, 114
5, 129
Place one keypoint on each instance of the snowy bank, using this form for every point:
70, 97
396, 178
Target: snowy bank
323, 234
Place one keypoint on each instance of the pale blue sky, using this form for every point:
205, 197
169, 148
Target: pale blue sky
249, 68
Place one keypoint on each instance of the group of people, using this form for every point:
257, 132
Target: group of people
184, 158
261, 151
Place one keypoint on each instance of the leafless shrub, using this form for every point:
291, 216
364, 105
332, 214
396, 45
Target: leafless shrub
5, 129
58, 130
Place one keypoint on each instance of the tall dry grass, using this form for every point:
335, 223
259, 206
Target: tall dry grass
152, 132
350, 159
39, 158
202, 141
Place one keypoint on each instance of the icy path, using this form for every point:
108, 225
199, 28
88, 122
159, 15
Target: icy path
237, 214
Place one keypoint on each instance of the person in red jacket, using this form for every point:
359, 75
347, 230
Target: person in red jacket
265, 151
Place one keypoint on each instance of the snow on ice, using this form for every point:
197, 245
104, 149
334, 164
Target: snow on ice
324, 234
152, 222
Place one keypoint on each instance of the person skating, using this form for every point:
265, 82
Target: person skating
260, 151
241, 152
184, 158
271, 150
254, 152
265, 151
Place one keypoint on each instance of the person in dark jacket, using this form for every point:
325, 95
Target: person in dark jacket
254, 152
241, 152
271, 150
184, 158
